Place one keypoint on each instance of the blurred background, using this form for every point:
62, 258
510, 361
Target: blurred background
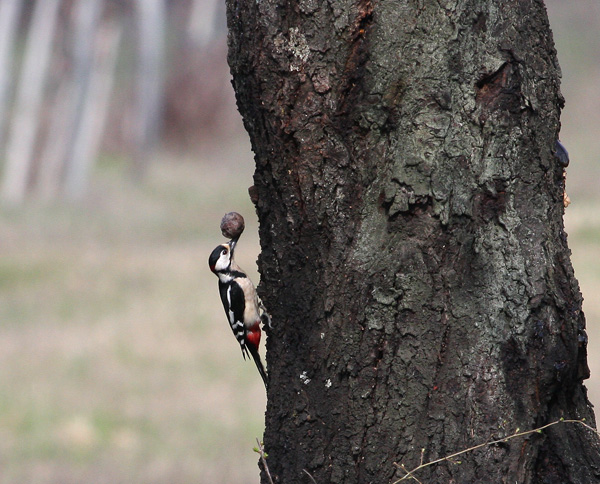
120, 150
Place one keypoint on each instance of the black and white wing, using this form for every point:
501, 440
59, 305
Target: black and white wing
232, 297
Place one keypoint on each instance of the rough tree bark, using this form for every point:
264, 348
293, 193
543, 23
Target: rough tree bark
413, 252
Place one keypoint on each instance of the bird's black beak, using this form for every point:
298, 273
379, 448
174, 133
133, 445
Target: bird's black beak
233, 243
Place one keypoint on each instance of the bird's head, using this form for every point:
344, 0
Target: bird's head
221, 257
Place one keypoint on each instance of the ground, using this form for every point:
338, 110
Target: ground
117, 364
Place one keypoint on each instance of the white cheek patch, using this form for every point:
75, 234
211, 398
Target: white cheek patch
222, 263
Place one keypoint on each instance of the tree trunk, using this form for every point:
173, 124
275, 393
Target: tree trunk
10, 11
32, 81
151, 17
413, 252
94, 113
87, 18
59, 157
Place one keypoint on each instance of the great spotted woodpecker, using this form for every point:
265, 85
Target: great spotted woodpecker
242, 305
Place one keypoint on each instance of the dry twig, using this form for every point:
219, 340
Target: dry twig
309, 475
409, 473
263, 458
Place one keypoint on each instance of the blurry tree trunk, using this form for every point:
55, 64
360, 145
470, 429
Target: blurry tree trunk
54, 150
151, 45
9, 19
94, 110
413, 252
202, 23
22, 138
72, 100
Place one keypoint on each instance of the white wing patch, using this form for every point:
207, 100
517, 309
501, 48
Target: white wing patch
231, 316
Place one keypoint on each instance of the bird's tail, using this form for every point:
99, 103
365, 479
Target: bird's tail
259, 365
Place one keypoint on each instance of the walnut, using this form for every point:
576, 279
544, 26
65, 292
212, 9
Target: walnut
232, 225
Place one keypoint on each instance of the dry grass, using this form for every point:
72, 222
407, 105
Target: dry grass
116, 362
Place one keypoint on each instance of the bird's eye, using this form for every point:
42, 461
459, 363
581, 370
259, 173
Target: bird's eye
224, 252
